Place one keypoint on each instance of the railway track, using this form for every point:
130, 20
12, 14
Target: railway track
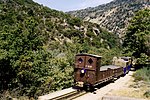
70, 96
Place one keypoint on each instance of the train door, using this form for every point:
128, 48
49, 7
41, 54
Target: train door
90, 67
79, 70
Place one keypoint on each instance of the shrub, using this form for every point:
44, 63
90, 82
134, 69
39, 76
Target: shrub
75, 21
147, 94
143, 74
142, 59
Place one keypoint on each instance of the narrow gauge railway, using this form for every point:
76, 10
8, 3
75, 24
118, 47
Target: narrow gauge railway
89, 73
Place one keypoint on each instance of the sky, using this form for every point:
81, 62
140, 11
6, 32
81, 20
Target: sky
69, 5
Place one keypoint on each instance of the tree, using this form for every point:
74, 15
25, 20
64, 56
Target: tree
75, 21
136, 37
21, 54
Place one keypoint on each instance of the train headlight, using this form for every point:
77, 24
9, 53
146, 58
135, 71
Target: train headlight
83, 71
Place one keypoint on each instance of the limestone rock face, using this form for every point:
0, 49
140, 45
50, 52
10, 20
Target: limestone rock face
114, 16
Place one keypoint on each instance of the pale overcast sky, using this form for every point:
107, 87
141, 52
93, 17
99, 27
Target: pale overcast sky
68, 5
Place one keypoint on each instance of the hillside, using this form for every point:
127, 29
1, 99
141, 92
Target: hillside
38, 45
113, 16
58, 25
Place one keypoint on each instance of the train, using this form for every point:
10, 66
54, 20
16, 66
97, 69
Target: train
89, 73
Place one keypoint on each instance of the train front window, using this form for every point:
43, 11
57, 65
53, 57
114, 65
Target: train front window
90, 61
80, 60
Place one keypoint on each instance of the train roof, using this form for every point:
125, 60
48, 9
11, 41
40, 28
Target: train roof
86, 54
102, 68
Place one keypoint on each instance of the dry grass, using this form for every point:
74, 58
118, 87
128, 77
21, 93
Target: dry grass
131, 89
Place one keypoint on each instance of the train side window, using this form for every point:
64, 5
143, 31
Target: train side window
90, 61
80, 60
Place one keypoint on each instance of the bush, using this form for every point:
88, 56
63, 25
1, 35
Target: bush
75, 21
143, 74
147, 94
142, 60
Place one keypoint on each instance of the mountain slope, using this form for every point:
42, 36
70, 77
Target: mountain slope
38, 45
113, 16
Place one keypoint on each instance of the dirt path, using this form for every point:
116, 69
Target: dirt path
112, 89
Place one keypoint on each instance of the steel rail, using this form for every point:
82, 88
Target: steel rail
69, 96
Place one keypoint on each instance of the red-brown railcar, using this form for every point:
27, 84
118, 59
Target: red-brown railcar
88, 71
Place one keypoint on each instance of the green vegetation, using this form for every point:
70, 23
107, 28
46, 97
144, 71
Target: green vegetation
38, 46
142, 74
137, 44
137, 36
75, 21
